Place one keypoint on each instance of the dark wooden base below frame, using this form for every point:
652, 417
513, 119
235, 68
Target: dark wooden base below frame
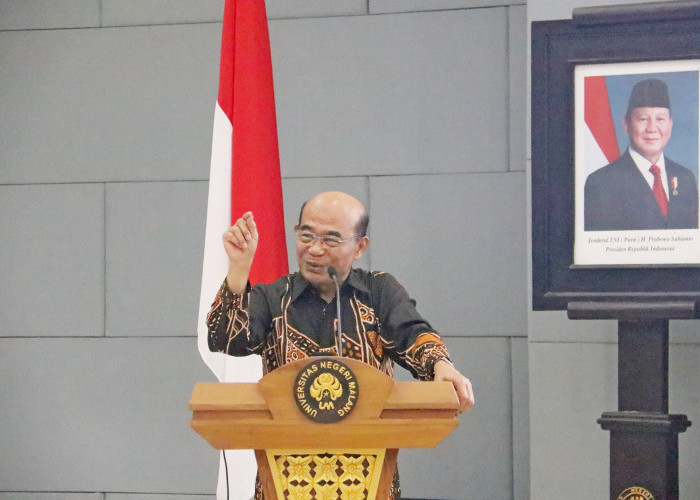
643, 454
643, 436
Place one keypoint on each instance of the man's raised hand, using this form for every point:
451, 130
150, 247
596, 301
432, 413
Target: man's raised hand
240, 242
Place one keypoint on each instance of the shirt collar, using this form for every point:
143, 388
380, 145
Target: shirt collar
355, 281
644, 164
299, 284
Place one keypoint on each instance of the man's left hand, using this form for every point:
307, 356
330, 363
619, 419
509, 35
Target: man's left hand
443, 371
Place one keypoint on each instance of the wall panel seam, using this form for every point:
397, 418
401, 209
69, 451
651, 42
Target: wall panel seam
104, 258
512, 418
509, 115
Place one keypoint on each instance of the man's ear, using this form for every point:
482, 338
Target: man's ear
362, 244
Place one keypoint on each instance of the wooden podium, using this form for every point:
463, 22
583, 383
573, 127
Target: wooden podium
300, 457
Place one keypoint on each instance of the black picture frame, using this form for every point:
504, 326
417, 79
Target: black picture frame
663, 31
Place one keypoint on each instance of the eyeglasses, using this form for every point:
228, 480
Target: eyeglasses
331, 241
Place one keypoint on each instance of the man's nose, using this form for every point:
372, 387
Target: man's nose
317, 247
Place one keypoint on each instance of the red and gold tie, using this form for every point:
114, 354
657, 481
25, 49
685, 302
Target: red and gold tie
658, 189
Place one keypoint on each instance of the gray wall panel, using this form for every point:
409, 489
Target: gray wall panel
520, 390
384, 6
141, 496
474, 462
52, 254
314, 8
43, 14
573, 384
108, 104
52, 496
555, 326
686, 332
135, 12
155, 243
101, 415
517, 85
394, 94
457, 242
570, 386
684, 398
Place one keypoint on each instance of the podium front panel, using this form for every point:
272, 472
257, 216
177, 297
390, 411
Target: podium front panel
351, 474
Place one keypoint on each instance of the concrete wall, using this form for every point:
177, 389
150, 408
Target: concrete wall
416, 107
573, 379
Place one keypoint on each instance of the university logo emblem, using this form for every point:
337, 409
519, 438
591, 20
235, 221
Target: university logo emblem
326, 390
635, 493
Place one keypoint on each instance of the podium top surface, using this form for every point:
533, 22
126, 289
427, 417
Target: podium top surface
264, 415
380, 391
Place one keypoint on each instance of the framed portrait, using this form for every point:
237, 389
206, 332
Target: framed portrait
616, 223
615, 157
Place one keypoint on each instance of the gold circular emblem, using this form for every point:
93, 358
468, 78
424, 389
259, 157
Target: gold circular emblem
635, 493
326, 390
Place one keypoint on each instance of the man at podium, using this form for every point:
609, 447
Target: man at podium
296, 316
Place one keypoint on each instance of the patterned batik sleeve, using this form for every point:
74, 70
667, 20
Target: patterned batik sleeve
417, 346
422, 355
228, 323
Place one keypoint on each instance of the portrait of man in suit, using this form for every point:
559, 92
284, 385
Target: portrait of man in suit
643, 189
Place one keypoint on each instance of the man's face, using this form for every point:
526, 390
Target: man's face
649, 130
316, 257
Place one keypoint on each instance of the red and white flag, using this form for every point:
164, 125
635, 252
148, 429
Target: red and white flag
244, 175
600, 140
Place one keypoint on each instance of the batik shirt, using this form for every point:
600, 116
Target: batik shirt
288, 320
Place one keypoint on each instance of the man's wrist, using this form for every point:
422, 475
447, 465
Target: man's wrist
237, 286
434, 361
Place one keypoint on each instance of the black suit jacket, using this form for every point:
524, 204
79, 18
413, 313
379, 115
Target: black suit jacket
617, 197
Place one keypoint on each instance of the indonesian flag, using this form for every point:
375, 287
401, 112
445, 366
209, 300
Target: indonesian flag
244, 175
600, 140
